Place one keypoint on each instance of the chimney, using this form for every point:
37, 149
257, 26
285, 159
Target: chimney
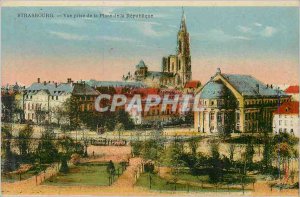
39, 80
257, 86
56, 84
271, 86
45, 82
69, 80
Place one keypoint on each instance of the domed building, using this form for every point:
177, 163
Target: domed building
236, 103
218, 107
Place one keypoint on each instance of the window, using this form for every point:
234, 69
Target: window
238, 117
179, 66
280, 122
285, 123
284, 130
219, 117
212, 116
212, 103
56, 97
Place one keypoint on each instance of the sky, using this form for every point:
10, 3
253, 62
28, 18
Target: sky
259, 41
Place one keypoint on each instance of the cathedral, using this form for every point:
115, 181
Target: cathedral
175, 70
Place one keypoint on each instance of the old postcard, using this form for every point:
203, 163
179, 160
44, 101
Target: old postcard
150, 98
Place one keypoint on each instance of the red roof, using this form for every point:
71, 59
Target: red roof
292, 90
288, 108
192, 84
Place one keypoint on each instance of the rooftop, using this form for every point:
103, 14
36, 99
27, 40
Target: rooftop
292, 90
288, 108
249, 86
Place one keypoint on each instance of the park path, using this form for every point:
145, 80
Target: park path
124, 184
130, 175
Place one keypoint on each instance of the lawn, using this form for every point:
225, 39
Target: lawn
84, 174
158, 183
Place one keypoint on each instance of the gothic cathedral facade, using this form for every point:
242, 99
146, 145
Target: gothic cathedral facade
176, 69
179, 65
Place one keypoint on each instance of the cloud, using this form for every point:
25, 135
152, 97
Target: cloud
268, 31
257, 24
68, 36
115, 39
258, 29
244, 29
148, 28
220, 36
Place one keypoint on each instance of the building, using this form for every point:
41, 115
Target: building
236, 103
176, 69
192, 87
114, 84
286, 118
155, 113
45, 102
293, 91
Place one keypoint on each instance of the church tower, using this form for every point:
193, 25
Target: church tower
184, 72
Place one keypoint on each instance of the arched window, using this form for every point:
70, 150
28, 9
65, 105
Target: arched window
179, 65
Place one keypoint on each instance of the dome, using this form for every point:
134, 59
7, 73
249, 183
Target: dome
141, 64
213, 90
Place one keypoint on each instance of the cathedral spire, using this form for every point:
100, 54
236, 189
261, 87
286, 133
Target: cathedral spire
183, 24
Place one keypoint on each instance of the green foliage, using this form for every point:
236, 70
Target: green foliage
73, 111
46, 151
149, 149
9, 158
249, 153
285, 138
124, 118
64, 164
137, 147
111, 168
24, 140
193, 145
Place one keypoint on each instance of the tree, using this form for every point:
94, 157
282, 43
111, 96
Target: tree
40, 115
267, 152
110, 169
60, 114
46, 151
119, 127
124, 118
24, 140
216, 171
249, 153
9, 160
193, 145
73, 111
67, 147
